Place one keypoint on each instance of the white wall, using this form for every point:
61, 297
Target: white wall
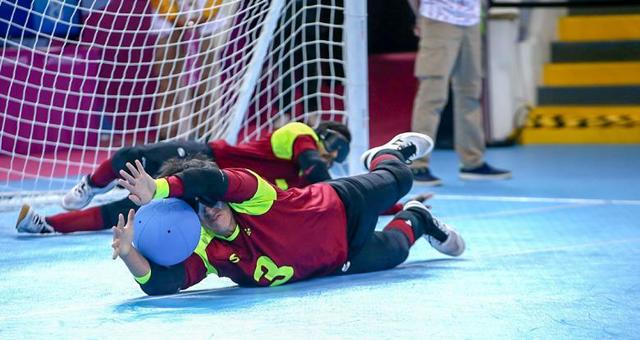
518, 46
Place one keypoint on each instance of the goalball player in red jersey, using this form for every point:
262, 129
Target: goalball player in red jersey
261, 235
294, 155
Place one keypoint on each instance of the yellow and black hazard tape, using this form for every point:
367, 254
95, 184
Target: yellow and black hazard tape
559, 121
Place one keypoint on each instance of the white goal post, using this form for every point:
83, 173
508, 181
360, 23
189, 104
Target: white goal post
80, 79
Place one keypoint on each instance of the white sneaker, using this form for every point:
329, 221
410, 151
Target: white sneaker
411, 145
82, 194
453, 245
30, 222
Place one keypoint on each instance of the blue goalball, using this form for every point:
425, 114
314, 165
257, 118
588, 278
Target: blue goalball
166, 231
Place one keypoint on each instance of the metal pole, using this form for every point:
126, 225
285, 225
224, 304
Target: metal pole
253, 71
356, 74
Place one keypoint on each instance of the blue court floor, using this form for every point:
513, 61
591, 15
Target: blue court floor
553, 253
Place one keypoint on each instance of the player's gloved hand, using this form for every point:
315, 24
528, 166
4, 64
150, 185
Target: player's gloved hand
141, 186
123, 236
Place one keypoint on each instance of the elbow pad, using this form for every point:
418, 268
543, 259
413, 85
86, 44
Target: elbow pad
164, 280
313, 167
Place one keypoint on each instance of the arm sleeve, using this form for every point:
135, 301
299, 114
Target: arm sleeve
212, 184
170, 280
163, 280
302, 144
313, 167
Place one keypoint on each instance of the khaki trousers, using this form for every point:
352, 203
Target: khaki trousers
450, 53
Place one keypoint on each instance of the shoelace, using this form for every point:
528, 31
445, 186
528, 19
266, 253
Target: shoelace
37, 220
404, 146
81, 189
443, 227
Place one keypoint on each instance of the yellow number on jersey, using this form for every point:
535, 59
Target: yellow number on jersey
274, 274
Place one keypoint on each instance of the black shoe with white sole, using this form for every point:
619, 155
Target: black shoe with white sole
440, 236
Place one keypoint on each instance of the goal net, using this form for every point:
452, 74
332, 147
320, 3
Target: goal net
81, 79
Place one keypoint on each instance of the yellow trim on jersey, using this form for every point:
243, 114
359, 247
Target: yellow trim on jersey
261, 201
162, 189
282, 139
231, 237
282, 183
206, 236
144, 278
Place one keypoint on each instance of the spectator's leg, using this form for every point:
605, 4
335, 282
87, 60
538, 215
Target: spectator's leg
467, 110
439, 45
204, 104
168, 67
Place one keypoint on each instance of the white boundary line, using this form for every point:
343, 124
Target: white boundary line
555, 249
534, 199
512, 212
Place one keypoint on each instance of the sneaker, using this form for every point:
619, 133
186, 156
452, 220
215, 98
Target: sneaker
484, 171
453, 245
82, 194
411, 145
424, 176
30, 222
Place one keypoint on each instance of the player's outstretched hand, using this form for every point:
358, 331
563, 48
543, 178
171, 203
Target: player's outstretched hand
141, 186
422, 198
123, 236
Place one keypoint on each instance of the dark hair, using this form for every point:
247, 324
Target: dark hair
174, 165
335, 126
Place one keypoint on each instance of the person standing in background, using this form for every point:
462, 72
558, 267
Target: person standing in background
189, 31
450, 50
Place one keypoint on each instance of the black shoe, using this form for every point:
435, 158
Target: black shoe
484, 171
424, 176
441, 236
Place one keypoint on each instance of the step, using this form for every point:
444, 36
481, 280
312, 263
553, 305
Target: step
592, 95
591, 74
580, 136
582, 124
594, 51
613, 10
594, 28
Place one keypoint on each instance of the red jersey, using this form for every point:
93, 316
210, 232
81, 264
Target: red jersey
274, 157
281, 236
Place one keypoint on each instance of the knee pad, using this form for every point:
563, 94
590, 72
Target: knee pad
123, 156
401, 172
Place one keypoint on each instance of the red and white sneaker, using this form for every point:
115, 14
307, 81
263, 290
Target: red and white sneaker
31, 222
82, 193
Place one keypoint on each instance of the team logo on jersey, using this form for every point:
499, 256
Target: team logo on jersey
181, 152
234, 258
346, 266
247, 231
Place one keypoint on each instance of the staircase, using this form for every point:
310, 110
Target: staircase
590, 91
